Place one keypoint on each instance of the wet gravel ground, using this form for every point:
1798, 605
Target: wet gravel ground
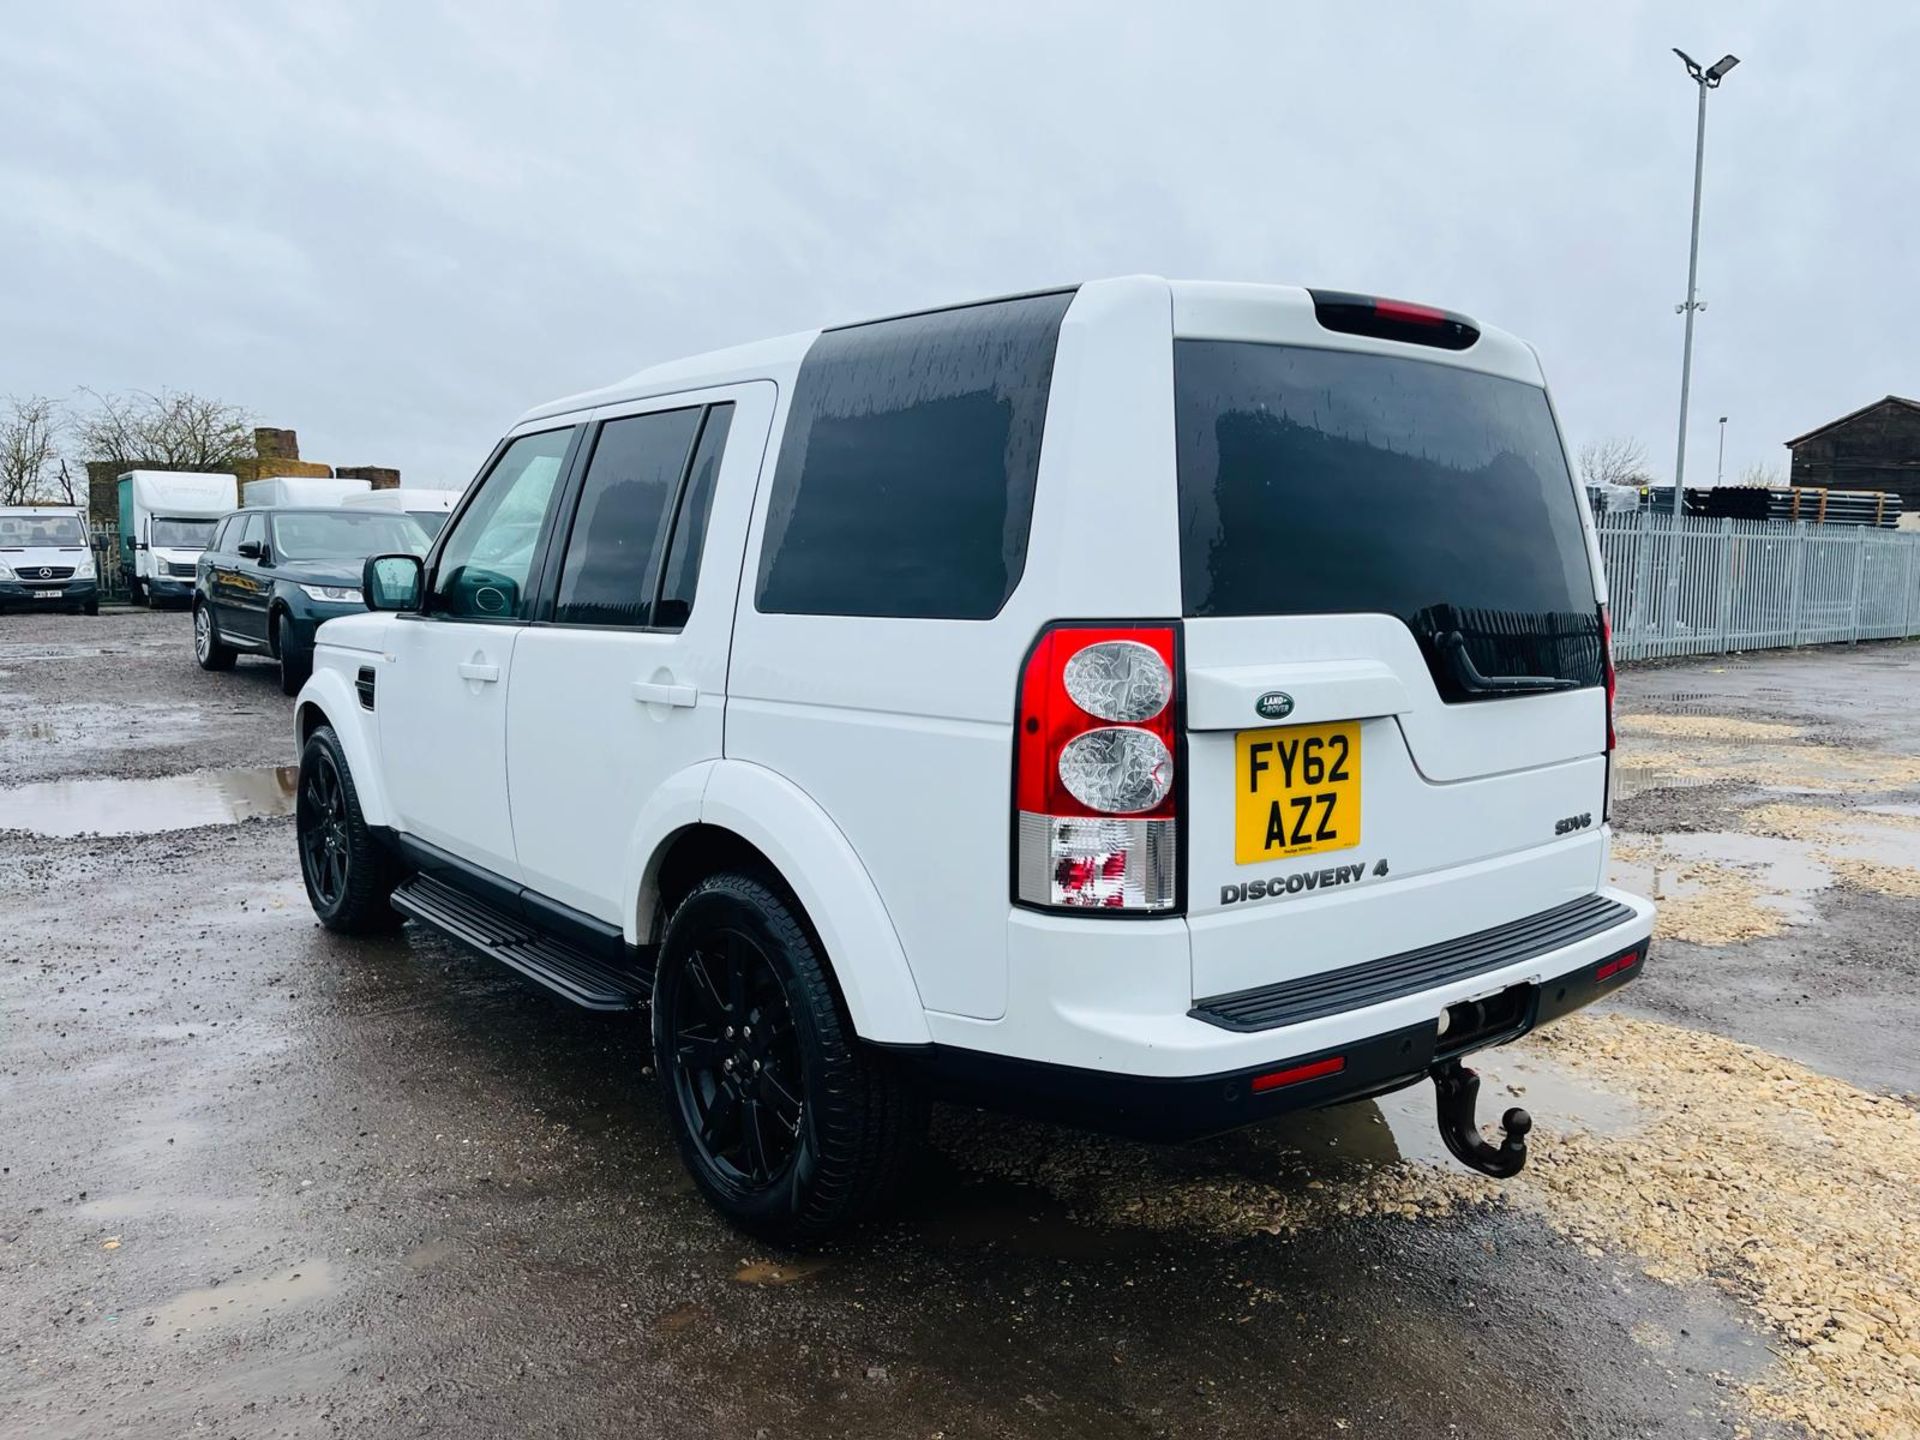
259, 1181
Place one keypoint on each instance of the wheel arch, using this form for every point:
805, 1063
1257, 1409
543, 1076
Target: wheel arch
737, 815
329, 699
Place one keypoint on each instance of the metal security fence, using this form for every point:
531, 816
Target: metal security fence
1754, 584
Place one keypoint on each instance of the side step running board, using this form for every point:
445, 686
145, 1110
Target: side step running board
504, 936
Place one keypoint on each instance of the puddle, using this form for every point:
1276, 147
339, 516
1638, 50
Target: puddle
238, 1301
144, 807
1403, 1126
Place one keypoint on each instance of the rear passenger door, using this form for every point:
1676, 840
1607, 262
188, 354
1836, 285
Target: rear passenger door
239, 587
620, 682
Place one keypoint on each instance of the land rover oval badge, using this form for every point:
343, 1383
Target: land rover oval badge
1274, 705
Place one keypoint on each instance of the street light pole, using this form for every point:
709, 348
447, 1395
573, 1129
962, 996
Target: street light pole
1707, 79
1720, 465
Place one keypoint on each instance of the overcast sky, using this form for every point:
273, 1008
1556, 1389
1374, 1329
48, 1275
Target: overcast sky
393, 227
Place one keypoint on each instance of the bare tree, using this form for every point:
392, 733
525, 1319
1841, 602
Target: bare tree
171, 430
31, 472
1760, 475
1617, 460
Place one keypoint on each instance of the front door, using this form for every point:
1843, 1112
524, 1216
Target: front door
620, 684
443, 696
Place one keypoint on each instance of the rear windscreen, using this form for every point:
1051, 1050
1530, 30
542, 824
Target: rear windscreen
1322, 482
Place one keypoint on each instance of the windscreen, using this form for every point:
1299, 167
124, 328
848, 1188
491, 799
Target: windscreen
1323, 482
344, 535
33, 532
171, 534
431, 521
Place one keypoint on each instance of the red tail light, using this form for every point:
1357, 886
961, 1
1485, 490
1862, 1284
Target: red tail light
1606, 660
1095, 792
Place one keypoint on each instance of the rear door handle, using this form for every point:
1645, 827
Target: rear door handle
474, 670
684, 697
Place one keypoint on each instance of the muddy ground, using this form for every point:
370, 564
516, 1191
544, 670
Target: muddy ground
259, 1181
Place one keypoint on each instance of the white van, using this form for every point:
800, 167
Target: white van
1157, 705
430, 507
46, 560
166, 519
303, 490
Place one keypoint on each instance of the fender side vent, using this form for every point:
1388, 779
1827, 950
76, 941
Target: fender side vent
363, 684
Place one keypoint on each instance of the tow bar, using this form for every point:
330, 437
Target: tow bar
1456, 1090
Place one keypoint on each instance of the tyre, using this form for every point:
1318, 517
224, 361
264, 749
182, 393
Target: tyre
790, 1126
208, 648
295, 664
137, 593
92, 607
350, 875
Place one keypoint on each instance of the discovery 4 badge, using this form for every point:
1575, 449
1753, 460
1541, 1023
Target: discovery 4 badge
1274, 705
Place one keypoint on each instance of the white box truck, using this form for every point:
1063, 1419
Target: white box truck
166, 519
430, 507
300, 490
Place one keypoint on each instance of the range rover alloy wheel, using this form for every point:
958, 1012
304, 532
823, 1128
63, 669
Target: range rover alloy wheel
791, 1127
207, 647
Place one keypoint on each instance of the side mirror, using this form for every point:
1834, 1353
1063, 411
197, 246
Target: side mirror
393, 582
249, 549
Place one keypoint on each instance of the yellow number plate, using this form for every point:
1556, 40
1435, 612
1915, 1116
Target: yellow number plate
1296, 791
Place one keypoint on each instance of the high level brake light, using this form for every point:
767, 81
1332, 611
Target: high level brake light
1096, 804
1393, 320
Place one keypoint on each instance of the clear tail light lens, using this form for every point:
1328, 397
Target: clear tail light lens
1095, 779
1119, 680
1118, 769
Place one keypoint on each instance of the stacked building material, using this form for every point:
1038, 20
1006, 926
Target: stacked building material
1804, 502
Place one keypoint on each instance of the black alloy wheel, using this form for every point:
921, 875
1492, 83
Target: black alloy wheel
736, 1073
325, 841
350, 872
790, 1125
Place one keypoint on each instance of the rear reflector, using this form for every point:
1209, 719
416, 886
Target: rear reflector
1294, 1074
1399, 320
1620, 963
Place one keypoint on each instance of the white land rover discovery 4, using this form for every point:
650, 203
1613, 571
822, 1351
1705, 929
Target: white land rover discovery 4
1159, 706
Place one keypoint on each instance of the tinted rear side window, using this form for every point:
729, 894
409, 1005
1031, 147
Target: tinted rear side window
905, 480
681, 577
608, 575
1317, 482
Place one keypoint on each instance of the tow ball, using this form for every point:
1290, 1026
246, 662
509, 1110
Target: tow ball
1456, 1091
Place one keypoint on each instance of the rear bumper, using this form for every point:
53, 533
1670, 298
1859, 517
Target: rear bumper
1186, 1107
1101, 1026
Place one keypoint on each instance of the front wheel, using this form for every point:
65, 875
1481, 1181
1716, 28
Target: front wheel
209, 650
295, 665
790, 1126
350, 875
